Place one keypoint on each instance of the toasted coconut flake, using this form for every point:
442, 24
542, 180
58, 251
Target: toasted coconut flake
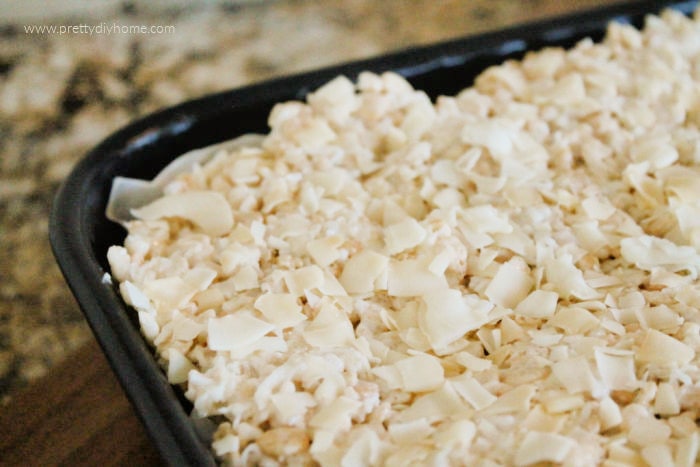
209, 210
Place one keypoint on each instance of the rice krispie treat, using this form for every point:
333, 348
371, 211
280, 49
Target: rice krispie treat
508, 276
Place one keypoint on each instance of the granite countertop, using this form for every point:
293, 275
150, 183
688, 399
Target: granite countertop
60, 94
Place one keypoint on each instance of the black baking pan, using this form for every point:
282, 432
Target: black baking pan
80, 233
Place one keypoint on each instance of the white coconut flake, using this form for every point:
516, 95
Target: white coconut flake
330, 328
543, 447
300, 280
208, 210
325, 251
574, 320
437, 405
511, 284
179, 367
281, 309
647, 430
609, 414
448, 316
135, 297
616, 370
517, 399
336, 416
661, 349
666, 401
361, 271
687, 450
235, 331
647, 252
472, 391
420, 373
412, 278
567, 279
538, 304
598, 208
403, 235
410, 432
472, 362
575, 375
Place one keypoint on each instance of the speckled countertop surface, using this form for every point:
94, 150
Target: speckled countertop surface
61, 94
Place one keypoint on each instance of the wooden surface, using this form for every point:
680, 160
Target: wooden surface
76, 415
